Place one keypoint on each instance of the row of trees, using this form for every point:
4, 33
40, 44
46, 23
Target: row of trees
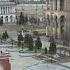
28, 42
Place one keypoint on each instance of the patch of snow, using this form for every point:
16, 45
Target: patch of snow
66, 64
56, 56
46, 67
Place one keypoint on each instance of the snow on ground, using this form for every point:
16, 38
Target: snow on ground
66, 64
13, 35
18, 62
26, 62
46, 44
46, 67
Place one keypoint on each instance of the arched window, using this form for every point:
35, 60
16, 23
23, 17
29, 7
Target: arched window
2, 17
62, 22
55, 4
55, 20
11, 19
6, 10
62, 19
6, 18
56, 26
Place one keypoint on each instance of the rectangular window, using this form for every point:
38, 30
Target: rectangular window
61, 5
55, 4
1, 10
6, 10
51, 4
48, 4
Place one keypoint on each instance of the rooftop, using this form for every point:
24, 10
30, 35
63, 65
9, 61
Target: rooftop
7, 3
34, 2
29, 1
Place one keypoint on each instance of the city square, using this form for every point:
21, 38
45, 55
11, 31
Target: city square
35, 35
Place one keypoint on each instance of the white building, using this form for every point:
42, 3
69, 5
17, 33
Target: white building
56, 15
31, 8
7, 11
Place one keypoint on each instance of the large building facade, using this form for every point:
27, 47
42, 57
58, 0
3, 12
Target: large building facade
56, 17
67, 26
54, 11
31, 8
7, 11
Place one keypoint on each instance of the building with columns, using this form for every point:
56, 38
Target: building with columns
7, 11
67, 26
31, 8
55, 12
56, 17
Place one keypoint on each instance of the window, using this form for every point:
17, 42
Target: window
2, 17
1, 10
6, 18
48, 4
55, 4
47, 1
51, 4
11, 18
62, 21
6, 10
55, 19
61, 5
